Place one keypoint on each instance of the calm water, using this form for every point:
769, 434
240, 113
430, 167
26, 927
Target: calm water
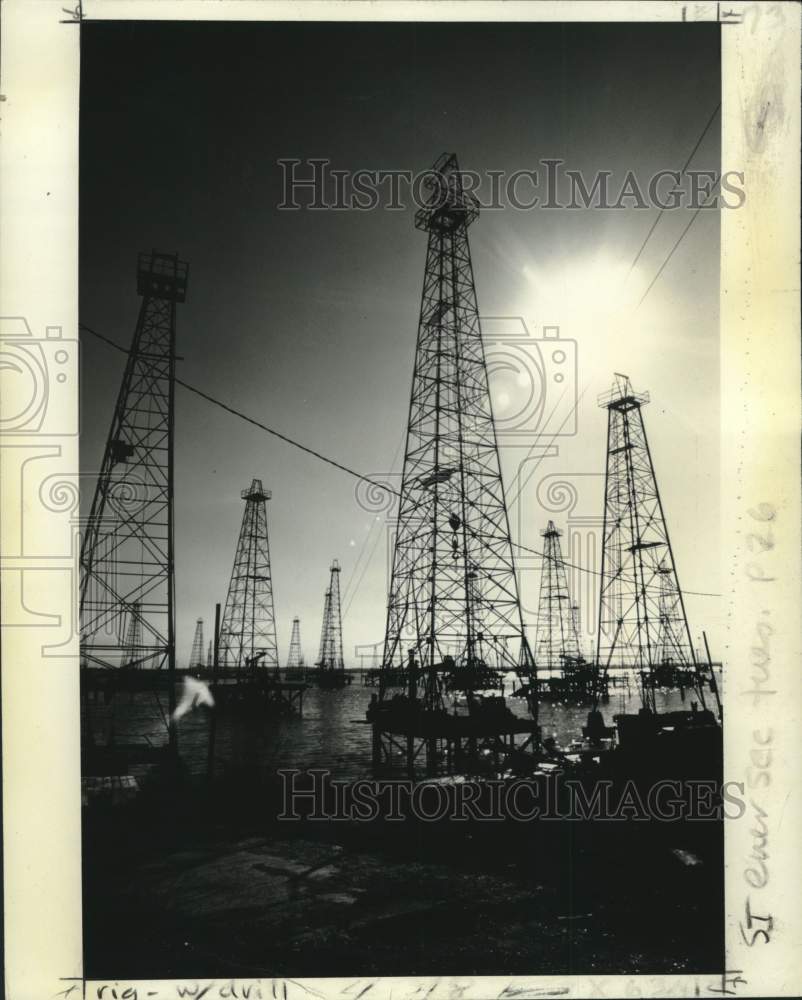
329, 735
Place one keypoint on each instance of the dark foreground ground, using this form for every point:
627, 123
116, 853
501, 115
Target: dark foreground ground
193, 881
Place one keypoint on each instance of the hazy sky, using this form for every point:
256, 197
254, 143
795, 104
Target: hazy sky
307, 320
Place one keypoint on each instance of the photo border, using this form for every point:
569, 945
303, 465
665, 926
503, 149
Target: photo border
760, 524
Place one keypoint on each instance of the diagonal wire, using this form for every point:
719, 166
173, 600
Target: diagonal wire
355, 590
366, 539
339, 465
247, 419
682, 171
682, 235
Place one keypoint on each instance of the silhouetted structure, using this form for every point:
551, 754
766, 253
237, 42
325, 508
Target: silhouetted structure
127, 553
248, 630
196, 656
133, 636
557, 639
331, 664
295, 657
642, 618
453, 607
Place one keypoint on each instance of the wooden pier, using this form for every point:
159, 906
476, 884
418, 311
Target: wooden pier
268, 694
332, 679
393, 677
230, 687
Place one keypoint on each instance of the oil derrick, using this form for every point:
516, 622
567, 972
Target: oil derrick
295, 660
127, 551
196, 656
248, 629
331, 637
557, 641
324, 627
639, 585
577, 625
210, 656
453, 604
133, 637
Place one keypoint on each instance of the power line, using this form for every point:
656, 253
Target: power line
348, 595
594, 572
355, 590
682, 171
250, 420
534, 468
663, 266
331, 461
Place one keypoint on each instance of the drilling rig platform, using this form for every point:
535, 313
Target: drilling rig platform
454, 614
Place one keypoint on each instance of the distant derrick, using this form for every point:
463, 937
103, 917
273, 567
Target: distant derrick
248, 630
295, 658
196, 656
324, 625
331, 638
133, 637
557, 645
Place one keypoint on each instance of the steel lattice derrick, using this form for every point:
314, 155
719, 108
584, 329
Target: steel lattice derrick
295, 657
453, 602
331, 639
133, 637
196, 656
324, 627
248, 629
127, 551
557, 640
638, 575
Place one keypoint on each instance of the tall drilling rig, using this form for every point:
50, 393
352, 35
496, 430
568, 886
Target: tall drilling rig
454, 622
641, 608
557, 647
127, 553
248, 629
331, 663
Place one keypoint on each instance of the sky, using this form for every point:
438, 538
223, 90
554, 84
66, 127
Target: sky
306, 320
